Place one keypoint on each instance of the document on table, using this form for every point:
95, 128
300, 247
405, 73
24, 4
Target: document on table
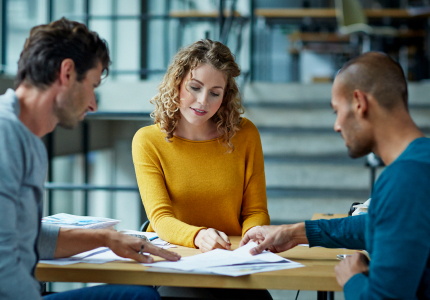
96, 256
218, 261
74, 221
231, 263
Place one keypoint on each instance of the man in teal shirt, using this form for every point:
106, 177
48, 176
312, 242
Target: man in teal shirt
369, 97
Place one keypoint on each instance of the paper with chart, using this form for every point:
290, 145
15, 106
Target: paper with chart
231, 263
74, 221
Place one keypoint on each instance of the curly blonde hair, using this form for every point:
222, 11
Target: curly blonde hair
167, 102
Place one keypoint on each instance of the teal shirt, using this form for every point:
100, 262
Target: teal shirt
396, 232
23, 167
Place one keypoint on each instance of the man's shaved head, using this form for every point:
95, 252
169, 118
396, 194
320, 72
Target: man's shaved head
377, 74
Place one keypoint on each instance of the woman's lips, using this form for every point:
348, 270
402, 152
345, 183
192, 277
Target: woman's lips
199, 112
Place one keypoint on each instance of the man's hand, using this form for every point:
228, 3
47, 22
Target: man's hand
134, 247
77, 240
209, 239
351, 265
275, 238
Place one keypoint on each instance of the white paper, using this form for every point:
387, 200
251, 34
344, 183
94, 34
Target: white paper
96, 256
361, 208
74, 221
231, 263
223, 262
246, 269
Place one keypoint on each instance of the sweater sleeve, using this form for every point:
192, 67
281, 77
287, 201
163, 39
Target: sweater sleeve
154, 194
254, 203
400, 223
16, 282
337, 233
47, 241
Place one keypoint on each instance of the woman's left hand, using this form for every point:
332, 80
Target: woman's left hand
209, 239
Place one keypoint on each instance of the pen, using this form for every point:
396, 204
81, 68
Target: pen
153, 238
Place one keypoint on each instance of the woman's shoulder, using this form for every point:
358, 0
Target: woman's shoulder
150, 132
246, 126
149, 129
248, 133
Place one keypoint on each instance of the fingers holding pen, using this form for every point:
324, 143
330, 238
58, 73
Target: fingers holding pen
209, 239
223, 240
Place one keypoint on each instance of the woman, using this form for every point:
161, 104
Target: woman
200, 168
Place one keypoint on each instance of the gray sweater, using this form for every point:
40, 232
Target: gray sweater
23, 167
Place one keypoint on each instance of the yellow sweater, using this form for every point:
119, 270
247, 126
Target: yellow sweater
189, 185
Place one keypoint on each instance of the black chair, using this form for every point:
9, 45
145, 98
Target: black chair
144, 226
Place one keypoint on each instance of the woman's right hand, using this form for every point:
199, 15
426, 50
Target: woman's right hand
209, 239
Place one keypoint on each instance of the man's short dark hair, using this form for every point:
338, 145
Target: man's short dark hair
48, 45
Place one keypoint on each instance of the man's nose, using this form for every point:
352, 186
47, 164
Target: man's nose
336, 126
92, 106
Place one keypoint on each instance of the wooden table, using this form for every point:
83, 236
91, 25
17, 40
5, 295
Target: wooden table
317, 216
200, 14
317, 275
331, 13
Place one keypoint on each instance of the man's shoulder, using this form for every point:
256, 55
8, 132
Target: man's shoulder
418, 152
414, 160
9, 121
7, 107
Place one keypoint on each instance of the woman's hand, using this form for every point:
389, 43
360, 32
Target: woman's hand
209, 239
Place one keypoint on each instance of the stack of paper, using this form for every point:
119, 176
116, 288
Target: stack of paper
222, 262
99, 255
73, 221
231, 263
361, 208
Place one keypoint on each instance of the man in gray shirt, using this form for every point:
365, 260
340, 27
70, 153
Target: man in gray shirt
59, 68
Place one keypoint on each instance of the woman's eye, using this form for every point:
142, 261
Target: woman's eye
214, 94
194, 88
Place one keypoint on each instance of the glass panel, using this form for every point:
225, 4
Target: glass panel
21, 16
71, 9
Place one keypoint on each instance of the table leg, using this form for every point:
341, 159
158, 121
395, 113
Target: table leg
325, 295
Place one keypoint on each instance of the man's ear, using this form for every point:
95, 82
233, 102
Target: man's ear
67, 71
360, 102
